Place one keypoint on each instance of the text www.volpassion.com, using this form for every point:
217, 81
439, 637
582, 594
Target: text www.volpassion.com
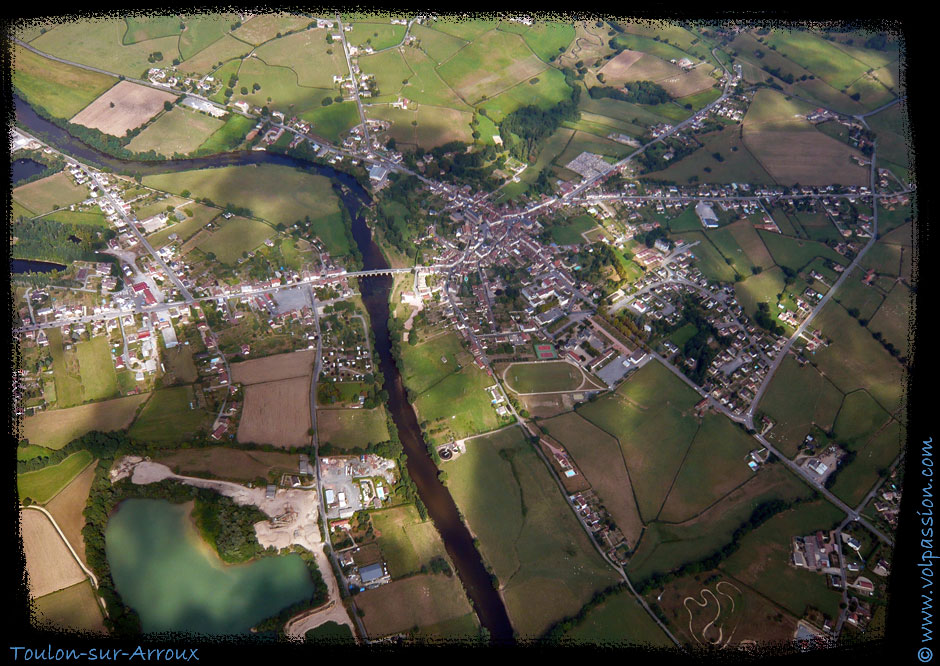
925, 511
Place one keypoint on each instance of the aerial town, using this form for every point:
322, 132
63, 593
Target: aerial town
496, 331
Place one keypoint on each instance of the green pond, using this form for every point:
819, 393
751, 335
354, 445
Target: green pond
164, 570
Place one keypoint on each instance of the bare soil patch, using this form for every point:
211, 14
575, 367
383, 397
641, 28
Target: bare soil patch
49, 563
133, 105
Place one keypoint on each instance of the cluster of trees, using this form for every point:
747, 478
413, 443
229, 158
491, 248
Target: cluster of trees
53, 163
653, 158
765, 320
697, 346
639, 92
761, 514
227, 526
51, 240
558, 630
523, 130
401, 229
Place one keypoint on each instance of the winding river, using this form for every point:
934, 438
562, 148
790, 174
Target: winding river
375, 294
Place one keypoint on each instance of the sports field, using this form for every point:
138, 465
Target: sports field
62, 90
547, 568
124, 107
544, 377
346, 428
54, 429
179, 131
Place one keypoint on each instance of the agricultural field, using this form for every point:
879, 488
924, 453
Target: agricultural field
263, 27
124, 107
798, 398
231, 464
601, 460
277, 413
893, 318
871, 460
62, 90
317, 68
854, 360
67, 509
546, 567
229, 136
631, 66
50, 193
763, 560
99, 43
142, 28
430, 361
82, 371
54, 429
858, 419
234, 239
783, 155
458, 405
187, 227
42, 485
418, 601
226, 50
331, 121
377, 35
650, 415
407, 542
348, 428
619, 620
738, 165
571, 232
797, 253
545, 377
715, 465
665, 546
279, 85
170, 415
299, 194
73, 608
271, 368
180, 131
203, 30
492, 63
49, 564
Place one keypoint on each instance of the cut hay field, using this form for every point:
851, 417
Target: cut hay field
49, 564
544, 377
124, 107
62, 90
67, 507
73, 608
650, 415
179, 131
348, 428
627, 68
234, 237
600, 459
42, 485
271, 368
47, 194
546, 566
784, 156
798, 398
225, 463
167, 417
407, 541
277, 413
54, 429
412, 602
490, 64
618, 621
